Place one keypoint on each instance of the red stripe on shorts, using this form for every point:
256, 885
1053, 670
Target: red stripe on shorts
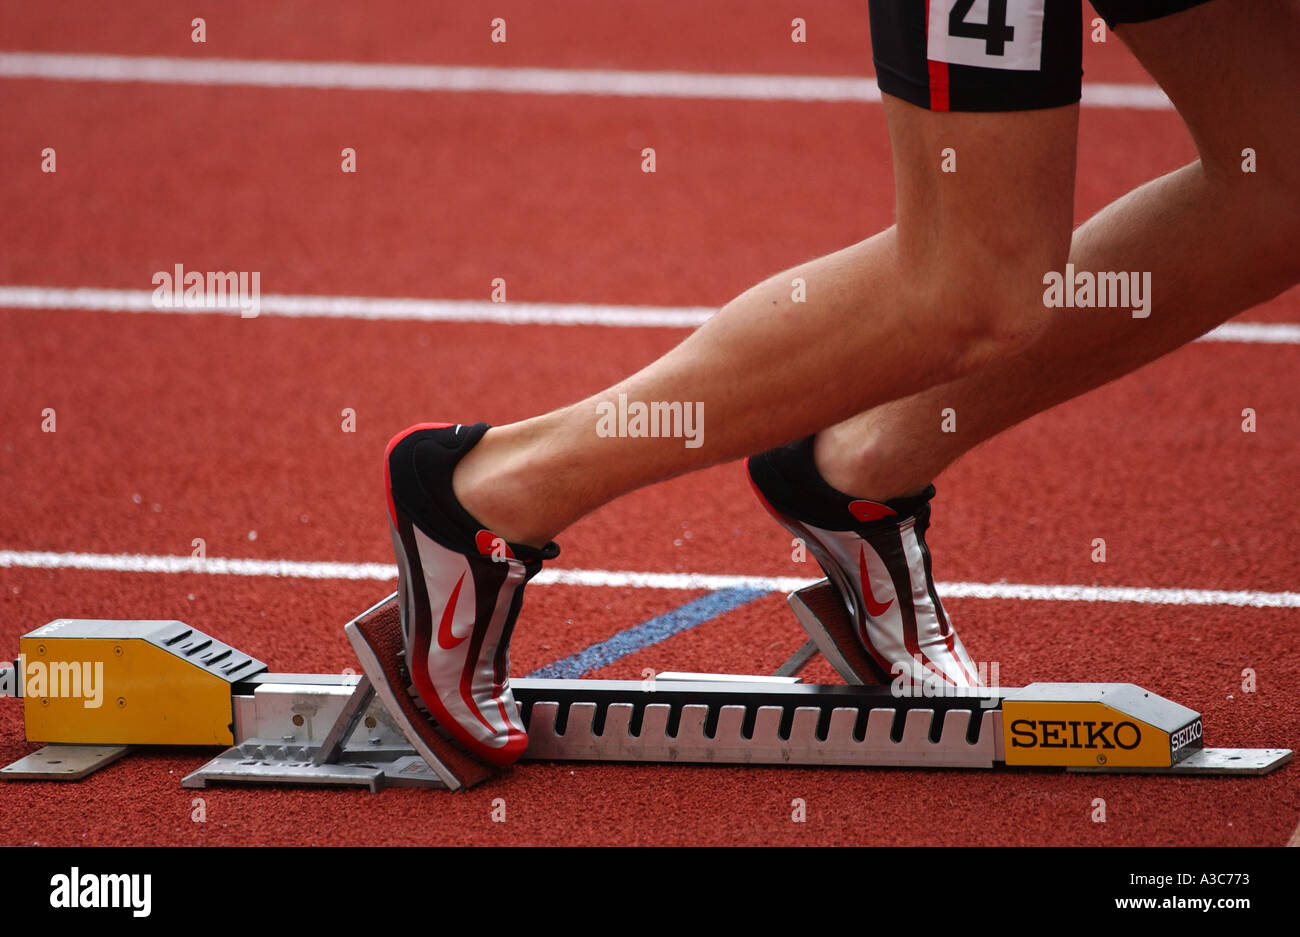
938, 86
938, 73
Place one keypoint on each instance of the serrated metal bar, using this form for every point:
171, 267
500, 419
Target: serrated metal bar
688, 721
742, 734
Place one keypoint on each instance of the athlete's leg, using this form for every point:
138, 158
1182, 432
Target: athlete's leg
955, 284
1215, 239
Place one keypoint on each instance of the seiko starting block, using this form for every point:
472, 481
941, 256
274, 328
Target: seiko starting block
92, 689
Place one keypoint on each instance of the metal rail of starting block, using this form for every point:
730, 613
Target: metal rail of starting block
167, 683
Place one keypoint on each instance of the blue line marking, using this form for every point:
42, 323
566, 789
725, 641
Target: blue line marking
651, 632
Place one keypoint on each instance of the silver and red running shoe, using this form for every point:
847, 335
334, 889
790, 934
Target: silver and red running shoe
875, 554
459, 589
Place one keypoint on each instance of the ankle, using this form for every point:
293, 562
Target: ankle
492, 483
865, 466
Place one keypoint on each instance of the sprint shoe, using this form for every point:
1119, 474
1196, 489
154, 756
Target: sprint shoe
876, 556
459, 588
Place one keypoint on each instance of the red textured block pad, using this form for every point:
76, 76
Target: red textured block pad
824, 601
376, 636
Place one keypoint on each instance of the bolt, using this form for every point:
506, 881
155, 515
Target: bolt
121, 702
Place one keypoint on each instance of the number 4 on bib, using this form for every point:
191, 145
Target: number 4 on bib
1004, 34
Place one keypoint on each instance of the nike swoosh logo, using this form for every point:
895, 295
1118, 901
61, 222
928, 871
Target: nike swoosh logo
874, 609
447, 639
868, 511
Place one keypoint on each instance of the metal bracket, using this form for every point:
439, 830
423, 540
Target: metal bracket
282, 748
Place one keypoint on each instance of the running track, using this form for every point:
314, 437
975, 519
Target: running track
172, 427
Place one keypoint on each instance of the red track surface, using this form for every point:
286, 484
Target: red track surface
223, 426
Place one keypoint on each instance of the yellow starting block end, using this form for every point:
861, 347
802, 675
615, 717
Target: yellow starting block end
1096, 725
128, 683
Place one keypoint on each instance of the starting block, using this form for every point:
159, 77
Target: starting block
92, 689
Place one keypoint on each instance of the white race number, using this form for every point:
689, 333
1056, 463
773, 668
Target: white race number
987, 33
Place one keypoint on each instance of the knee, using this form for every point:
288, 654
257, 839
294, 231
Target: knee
990, 311
1262, 202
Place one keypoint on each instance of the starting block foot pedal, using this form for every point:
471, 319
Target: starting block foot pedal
376, 636
821, 611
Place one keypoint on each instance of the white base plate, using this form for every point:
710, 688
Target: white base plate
1212, 761
61, 762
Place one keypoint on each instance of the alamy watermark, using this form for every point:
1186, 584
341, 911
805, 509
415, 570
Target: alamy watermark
215, 289
1103, 290
919, 679
55, 679
77, 889
660, 418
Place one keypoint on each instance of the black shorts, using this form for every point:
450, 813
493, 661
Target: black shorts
991, 55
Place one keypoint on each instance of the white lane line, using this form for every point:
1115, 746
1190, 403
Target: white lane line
297, 569
361, 307
1272, 333
359, 76
468, 310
